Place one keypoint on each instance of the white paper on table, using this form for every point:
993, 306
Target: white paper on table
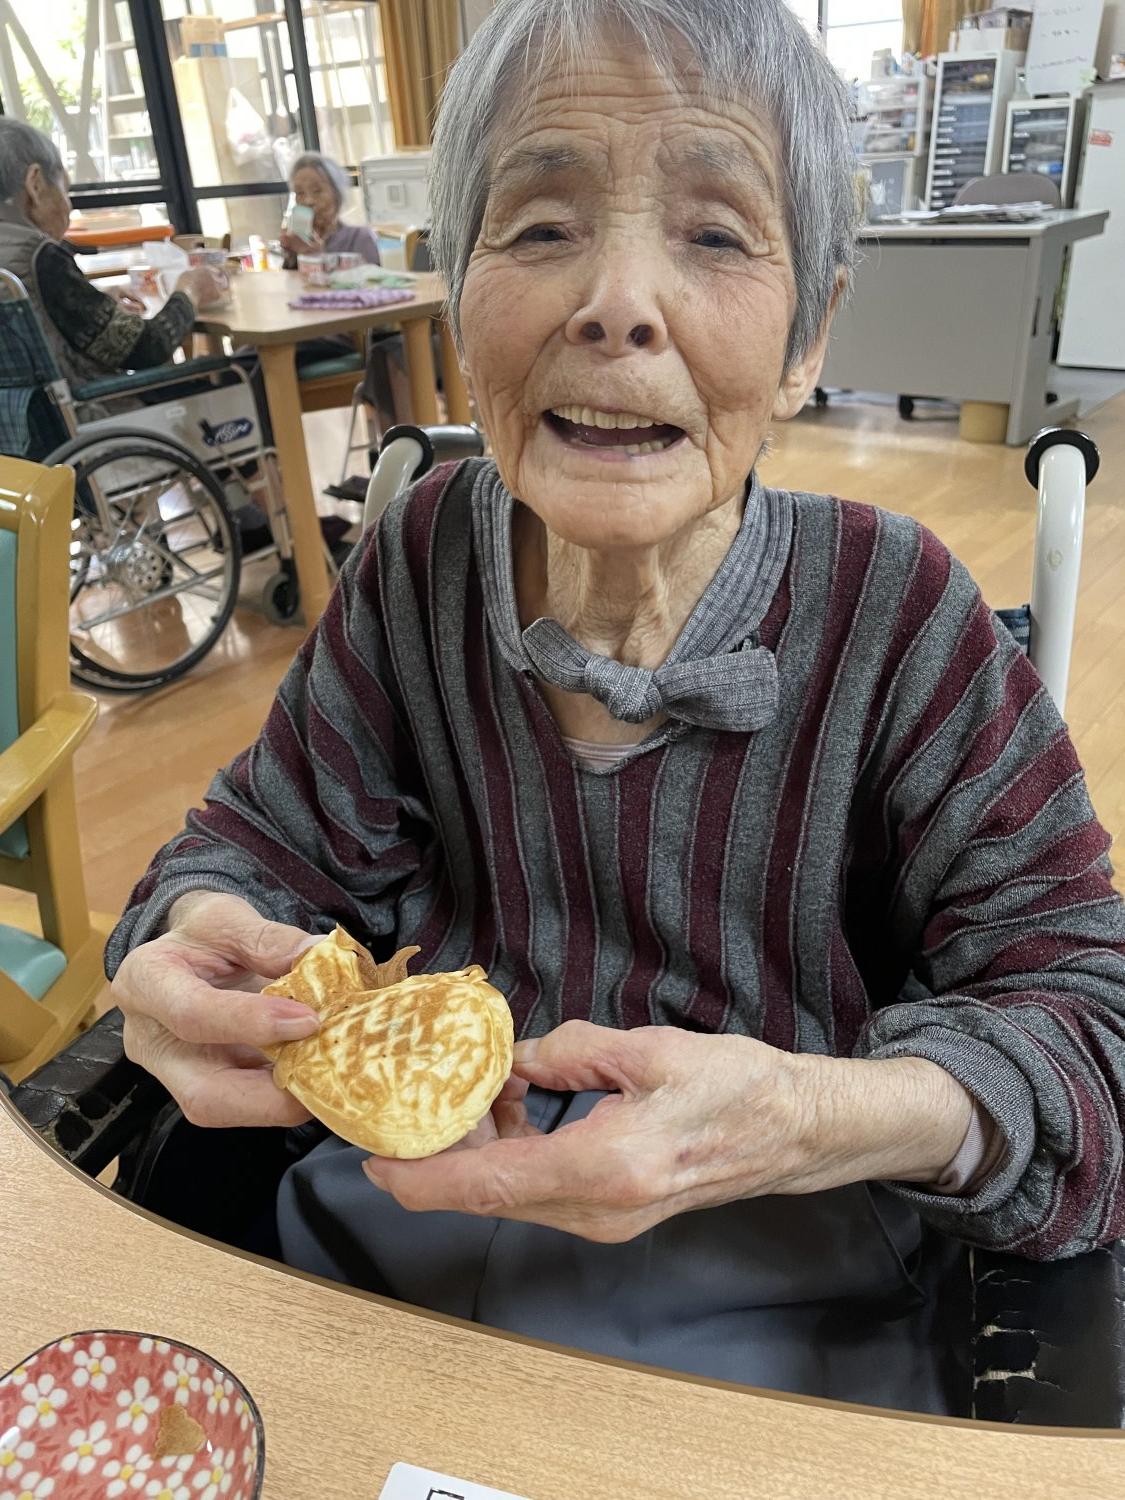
405, 1482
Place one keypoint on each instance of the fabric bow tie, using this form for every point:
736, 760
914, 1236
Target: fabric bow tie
734, 691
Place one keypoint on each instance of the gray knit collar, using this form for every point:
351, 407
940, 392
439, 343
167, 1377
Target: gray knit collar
717, 673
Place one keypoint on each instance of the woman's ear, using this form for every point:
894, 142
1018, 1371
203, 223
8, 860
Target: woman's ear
799, 380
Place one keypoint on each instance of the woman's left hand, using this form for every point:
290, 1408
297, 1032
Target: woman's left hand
293, 244
128, 299
689, 1121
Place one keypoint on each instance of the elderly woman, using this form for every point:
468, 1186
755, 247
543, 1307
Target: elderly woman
92, 333
319, 183
769, 834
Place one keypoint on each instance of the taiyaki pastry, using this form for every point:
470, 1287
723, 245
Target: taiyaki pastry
402, 1065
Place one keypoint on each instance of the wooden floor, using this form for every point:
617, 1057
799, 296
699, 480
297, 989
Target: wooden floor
149, 758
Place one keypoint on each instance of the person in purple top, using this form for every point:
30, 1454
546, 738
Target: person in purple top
319, 183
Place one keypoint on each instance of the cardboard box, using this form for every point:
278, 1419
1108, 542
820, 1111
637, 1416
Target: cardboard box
203, 36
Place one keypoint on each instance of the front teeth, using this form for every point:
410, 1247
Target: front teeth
588, 417
636, 448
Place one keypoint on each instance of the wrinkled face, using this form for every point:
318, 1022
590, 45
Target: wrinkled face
48, 202
313, 190
627, 304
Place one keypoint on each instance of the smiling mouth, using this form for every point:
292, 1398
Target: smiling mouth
626, 434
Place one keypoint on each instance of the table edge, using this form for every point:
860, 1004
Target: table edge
502, 1336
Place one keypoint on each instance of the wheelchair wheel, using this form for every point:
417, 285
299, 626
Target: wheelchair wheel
281, 597
155, 563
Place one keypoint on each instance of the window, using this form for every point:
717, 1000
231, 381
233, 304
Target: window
71, 68
855, 29
345, 47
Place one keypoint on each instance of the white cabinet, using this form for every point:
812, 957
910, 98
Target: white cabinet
1093, 325
1041, 137
970, 98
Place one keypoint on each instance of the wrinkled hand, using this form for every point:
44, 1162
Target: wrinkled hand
689, 1121
193, 1016
293, 244
203, 284
128, 299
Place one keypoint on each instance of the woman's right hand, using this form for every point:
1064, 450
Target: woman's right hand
193, 1016
202, 285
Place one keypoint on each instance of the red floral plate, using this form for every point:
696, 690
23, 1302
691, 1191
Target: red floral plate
78, 1421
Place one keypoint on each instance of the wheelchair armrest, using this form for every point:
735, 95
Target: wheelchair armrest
89, 1101
140, 380
1048, 1339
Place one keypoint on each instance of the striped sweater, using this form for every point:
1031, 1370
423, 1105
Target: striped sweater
904, 861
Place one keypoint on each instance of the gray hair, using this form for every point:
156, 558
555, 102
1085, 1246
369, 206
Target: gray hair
23, 147
332, 172
754, 51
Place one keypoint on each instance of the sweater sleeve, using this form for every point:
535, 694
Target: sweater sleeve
324, 818
996, 875
98, 326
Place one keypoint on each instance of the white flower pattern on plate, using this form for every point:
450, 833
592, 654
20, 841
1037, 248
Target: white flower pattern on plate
44, 1398
137, 1405
87, 1445
169, 1488
127, 1474
15, 1450
217, 1478
33, 1487
183, 1377
92, 1366
219, 1391
148, 1346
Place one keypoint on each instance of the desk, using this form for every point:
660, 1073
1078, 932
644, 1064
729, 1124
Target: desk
963, 311
349, 1384
259, 314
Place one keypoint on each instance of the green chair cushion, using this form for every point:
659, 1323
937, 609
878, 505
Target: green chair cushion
321, 369
31, 962
13, 840
139, 380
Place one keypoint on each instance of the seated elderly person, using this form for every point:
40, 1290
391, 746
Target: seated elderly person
93, 333
319, 183
772, 838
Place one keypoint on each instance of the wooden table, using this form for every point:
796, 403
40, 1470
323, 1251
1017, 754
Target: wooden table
259, 314
349, 1384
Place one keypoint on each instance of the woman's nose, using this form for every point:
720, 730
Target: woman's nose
618, 316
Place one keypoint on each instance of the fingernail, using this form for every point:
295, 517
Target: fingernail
293, 1020
524, 1052
306, 943
372, 1174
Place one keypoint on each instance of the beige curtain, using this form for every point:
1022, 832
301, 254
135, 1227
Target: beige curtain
421, 38
926, 24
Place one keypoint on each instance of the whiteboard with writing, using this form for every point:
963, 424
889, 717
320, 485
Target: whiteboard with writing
1060, 51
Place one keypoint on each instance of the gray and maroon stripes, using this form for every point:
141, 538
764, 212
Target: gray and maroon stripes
904, 860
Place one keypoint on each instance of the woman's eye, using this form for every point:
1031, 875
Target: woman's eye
540, 234
716, 239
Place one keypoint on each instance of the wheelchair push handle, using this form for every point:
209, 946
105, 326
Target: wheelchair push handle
406, 453
1060, 463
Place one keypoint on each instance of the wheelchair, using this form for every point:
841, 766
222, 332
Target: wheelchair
156, 547
1030, 1342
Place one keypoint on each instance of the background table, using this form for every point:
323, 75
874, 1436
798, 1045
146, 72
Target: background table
962, 311
349, 1384
259, 314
